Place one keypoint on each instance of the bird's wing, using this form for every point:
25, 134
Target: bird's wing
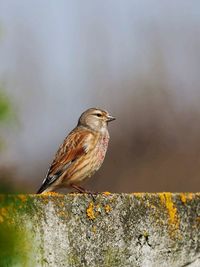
74, 146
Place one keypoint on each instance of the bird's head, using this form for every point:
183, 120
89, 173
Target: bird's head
96, 119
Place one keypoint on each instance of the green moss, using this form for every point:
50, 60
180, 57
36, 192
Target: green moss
18, 204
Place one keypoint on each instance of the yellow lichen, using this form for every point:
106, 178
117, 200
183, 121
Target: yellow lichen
166, 200
1, 219
190, 196
107, 208
145, 234
62, 213
3, 211
139, 195
23, 198
106, 193
3, 214
62, 204
94, 229
90, 211
183, 198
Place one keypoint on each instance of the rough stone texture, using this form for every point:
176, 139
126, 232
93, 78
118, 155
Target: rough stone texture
106, 230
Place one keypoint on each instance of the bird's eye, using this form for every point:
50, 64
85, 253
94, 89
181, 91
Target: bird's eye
98, 115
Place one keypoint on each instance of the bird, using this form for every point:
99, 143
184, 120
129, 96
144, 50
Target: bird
81, 154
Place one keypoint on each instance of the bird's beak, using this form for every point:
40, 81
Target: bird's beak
110, 118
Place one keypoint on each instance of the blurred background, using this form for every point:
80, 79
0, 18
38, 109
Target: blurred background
140, 60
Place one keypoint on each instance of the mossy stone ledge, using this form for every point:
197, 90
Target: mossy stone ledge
104, 230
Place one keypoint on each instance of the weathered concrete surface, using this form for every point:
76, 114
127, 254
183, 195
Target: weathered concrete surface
124, 230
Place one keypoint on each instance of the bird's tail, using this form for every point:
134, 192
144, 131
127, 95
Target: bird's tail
43, 189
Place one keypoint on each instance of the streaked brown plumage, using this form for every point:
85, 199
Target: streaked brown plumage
81, 153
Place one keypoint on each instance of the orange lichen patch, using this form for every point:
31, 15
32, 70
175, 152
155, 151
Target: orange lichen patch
23, 198
3, 211
90, 211
106, 193
166, 200
3, 214
107, 208
183, 198
61, 204
187, 196
190, 196
62, 213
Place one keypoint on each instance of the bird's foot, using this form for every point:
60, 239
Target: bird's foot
84, 191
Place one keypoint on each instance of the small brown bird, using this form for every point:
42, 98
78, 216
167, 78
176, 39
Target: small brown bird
81, 154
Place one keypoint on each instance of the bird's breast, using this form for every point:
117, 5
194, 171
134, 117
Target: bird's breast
102, 146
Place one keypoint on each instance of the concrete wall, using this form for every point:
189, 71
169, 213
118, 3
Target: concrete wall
106, 230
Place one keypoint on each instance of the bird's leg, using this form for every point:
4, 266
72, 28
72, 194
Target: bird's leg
79, 188
82, 190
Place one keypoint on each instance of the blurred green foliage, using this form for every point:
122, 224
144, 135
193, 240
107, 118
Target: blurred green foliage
12, 244
6, 111
15, 239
